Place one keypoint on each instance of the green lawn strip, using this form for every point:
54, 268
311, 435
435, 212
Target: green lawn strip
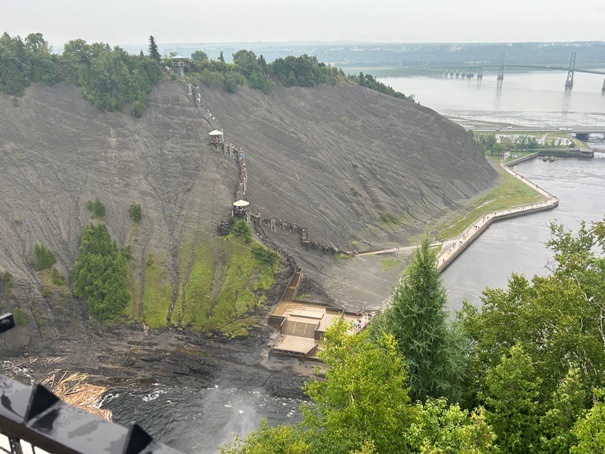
510, 192
157, 291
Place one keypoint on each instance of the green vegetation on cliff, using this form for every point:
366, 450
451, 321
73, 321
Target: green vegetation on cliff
157, 291
112, 79
43, 258
99, 273
223, 284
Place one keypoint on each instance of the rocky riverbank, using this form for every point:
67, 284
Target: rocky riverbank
131, 357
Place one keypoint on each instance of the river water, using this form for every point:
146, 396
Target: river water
524, 99
199, 420
528, 99
518, 245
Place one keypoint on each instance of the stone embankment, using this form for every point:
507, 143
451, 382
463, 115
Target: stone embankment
455, 246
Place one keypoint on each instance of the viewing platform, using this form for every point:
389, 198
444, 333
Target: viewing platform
302, 324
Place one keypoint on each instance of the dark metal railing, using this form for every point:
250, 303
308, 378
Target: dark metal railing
39, 418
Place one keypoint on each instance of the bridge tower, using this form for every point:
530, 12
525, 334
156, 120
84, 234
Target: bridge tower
570, 71
501, 69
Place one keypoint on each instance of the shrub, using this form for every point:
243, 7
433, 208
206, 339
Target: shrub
43, 258
264, 256
20, 316
242, 229
137, 108
7, 277
135, 212
57, 277
97, 208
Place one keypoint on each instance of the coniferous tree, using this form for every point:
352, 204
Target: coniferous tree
433, 351
99, 273
153, 50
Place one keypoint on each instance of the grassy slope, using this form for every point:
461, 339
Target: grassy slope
509, 193
219, 295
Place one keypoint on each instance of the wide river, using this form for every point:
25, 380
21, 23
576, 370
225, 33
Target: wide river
200, 419
524, 99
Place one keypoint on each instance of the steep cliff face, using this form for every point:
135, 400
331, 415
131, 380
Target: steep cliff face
338, 160
335, 158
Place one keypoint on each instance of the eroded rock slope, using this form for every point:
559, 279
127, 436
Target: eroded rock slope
336, 159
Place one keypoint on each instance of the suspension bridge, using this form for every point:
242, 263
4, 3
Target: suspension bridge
469, 72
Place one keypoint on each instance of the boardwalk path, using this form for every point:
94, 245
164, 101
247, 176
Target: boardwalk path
453, 247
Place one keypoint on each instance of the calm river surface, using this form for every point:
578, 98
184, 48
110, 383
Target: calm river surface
518, 245
525, 99
200, 419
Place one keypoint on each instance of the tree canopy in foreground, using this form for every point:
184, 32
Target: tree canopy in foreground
536, 364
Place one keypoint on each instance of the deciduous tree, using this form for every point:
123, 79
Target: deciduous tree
511, 401
199, 55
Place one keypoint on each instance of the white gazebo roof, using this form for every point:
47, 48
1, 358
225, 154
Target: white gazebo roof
216, 132
241, 203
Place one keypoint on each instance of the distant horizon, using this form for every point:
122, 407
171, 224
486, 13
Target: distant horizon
307, 21
164, 46
327, 42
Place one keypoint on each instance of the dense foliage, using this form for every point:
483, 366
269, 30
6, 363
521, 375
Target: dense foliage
370, 82
363, 406
100, 274
22, 62
112, 79
533, 382
247, 68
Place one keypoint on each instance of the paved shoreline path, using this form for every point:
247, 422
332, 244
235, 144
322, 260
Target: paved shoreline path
453, 247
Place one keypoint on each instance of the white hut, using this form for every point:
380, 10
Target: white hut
216, 136
241, 207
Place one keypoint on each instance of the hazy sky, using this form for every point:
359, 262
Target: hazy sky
202, 21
